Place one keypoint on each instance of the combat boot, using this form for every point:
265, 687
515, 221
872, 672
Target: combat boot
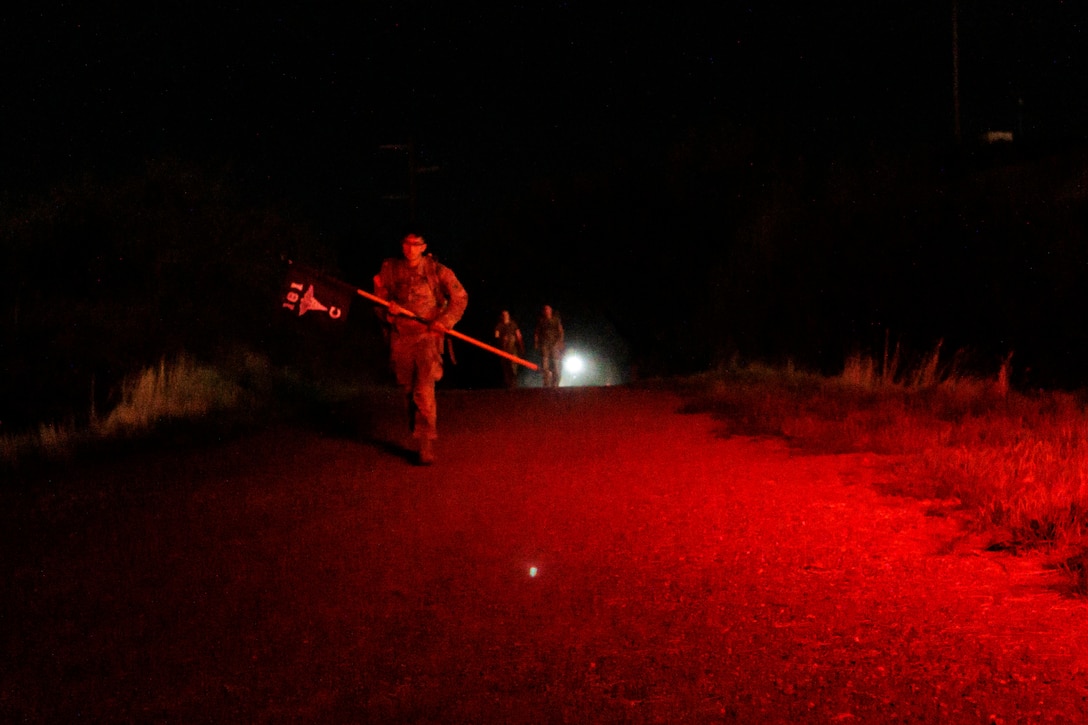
426, 451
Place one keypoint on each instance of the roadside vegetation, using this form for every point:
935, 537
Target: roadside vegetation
145, 304
180, 397
1013, 465
179, 392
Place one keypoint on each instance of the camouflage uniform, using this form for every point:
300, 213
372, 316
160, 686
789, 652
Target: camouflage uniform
432, 292
509, 336
548, 338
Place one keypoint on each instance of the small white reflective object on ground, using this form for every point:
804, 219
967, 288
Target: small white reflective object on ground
532, 571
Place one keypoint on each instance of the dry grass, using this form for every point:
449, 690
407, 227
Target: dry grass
182, 390
243, 390
1016, 465
178, 390
52, 440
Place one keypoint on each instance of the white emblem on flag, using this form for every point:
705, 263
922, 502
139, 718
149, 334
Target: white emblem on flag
308, 301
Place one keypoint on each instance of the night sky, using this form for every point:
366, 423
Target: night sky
512, 108
311, 91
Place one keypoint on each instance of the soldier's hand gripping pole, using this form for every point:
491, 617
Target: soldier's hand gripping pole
455, 333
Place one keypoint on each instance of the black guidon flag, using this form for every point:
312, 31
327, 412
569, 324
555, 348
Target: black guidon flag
307, 292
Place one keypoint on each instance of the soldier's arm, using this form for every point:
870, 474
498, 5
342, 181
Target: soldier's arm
387, 313
383, 313
457, 300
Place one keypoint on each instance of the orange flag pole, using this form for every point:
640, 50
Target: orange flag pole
458, 335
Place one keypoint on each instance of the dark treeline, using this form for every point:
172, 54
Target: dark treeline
729, 247
719, 247
107, 277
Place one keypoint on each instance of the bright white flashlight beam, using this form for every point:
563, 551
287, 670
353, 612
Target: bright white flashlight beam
574, 364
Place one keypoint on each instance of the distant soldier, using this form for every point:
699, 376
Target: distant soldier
509, 337
425, 300
548, 339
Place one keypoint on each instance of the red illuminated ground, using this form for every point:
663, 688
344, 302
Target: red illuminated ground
310, 576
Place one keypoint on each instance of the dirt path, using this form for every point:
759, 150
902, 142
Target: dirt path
306, 576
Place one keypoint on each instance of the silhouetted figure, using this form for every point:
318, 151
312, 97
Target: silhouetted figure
508, 336
425, 300
548, 339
